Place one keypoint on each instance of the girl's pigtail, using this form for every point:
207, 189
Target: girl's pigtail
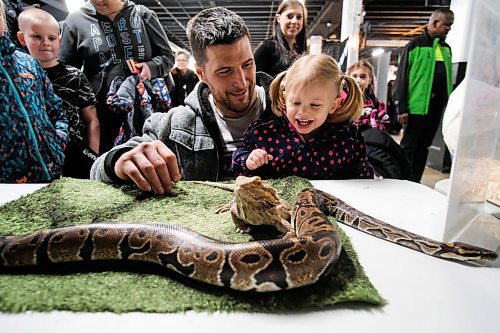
277, 94
353, 103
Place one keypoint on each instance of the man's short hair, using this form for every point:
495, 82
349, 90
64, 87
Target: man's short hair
214, 26
443, 11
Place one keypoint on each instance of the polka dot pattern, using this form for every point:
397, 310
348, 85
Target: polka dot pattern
335, 152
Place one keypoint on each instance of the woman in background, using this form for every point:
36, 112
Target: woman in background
184, 78
288, 41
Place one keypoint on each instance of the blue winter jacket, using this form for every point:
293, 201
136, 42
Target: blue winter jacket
33, 122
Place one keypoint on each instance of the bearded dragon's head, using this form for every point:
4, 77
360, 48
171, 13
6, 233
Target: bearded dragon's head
254, 188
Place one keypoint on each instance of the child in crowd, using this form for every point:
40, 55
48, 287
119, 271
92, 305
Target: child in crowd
313, 135
39, 32
33, 123
374, 112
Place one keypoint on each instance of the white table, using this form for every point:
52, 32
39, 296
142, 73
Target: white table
424, 294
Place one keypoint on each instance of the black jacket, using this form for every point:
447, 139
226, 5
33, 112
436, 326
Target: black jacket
184, 84
271, 59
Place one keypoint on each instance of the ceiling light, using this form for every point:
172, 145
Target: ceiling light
377, 52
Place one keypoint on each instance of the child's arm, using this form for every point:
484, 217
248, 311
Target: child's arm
257, 158
379, 117
89, 115
249, 158
245, 161
57, 110
239, 159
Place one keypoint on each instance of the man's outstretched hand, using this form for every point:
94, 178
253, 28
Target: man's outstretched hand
151, 166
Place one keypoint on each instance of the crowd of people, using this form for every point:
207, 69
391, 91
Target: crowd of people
272, 112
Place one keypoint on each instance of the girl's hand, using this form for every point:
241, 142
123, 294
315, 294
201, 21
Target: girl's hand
145, 71
257, 158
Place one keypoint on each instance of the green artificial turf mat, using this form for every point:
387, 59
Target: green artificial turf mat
141, 287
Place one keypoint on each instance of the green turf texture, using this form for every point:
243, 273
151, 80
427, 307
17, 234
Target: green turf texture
147, 288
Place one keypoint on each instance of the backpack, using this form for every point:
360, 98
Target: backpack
138, 100
386, 156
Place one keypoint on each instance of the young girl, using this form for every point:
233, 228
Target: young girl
33, 123
374, 112
313, 135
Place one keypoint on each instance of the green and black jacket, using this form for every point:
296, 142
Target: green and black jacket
416, 73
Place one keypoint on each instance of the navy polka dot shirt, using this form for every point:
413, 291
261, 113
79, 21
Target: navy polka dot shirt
334, 152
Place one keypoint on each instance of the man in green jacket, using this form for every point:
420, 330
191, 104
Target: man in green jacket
423, 84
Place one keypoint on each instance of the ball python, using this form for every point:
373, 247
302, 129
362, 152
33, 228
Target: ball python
268, 265
251, 195
348, 215
291, 262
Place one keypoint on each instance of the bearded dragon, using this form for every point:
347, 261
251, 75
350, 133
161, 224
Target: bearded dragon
254, 203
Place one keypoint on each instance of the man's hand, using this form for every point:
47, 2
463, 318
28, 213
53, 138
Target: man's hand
257, 158
151, 166
145, 71
403, 119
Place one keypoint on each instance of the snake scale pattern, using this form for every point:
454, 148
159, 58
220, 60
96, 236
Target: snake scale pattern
293, 261
348, 215
262, 266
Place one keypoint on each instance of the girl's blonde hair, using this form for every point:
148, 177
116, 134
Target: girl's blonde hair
4, 17
363, 63
310, 68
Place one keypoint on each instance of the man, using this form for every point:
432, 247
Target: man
184, 78
423, 84
196, 141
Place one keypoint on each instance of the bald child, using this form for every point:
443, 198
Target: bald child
39, 32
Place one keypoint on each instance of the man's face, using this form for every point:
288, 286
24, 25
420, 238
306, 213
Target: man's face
442, 26
230, 74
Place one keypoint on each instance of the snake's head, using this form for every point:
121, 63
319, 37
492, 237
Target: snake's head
470, 253
254, 188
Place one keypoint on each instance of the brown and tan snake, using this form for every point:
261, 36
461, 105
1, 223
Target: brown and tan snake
269, 265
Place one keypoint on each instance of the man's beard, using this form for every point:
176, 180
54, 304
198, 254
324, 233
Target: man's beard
237, 107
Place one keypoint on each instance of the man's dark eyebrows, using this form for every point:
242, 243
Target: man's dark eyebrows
223, 68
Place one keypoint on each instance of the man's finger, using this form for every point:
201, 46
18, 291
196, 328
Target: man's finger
171, 160
165, 169
130, 169
156, 172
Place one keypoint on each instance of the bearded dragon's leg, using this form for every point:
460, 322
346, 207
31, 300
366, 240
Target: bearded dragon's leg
224, 208
240, 224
